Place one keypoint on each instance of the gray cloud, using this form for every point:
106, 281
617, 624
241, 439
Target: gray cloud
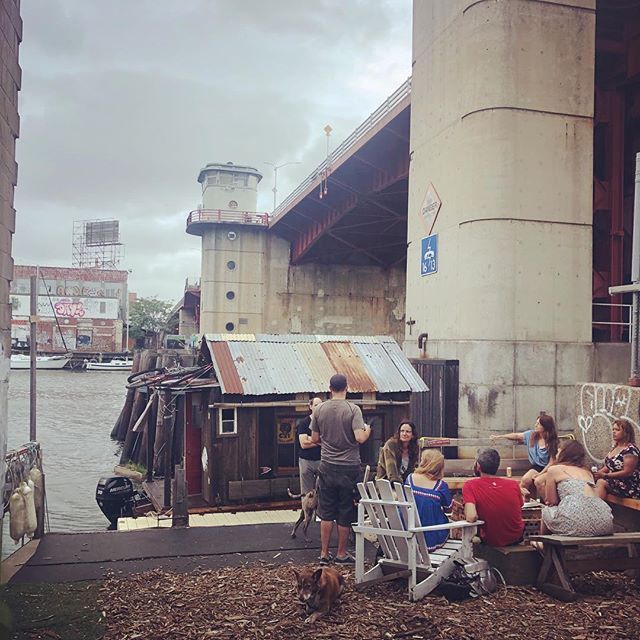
123, 102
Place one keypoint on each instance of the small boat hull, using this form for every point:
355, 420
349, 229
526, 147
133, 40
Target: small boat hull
20, 361
114, 365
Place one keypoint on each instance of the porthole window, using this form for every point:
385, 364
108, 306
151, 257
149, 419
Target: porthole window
233, 204
230, 295
232, 235
231, 265
229, 326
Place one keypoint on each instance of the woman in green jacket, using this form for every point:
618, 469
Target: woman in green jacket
399, 455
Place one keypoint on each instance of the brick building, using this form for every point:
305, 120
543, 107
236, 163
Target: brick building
89, 305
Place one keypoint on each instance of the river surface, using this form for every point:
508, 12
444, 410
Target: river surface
75, 414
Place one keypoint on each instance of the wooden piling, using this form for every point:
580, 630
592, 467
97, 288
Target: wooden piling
168, 420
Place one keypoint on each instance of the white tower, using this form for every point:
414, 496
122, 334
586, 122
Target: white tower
233, 248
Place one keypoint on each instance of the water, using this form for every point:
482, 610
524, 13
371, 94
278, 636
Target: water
76, 412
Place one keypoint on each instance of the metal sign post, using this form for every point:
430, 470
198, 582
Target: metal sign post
33, 352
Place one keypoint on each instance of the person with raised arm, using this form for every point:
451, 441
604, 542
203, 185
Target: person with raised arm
542, 448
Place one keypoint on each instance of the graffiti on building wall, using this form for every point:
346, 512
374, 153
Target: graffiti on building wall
69, 309
597, 406
80, 291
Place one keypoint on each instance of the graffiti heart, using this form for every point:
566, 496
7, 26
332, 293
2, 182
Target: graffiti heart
599, 405
69, 309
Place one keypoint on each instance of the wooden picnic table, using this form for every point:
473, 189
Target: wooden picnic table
557, 565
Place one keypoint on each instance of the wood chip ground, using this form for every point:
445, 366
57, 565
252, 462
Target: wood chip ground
260, 602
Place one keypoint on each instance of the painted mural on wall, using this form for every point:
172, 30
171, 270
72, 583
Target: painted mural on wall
78, 308
597, 406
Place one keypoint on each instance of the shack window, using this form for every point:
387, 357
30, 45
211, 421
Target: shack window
227, 422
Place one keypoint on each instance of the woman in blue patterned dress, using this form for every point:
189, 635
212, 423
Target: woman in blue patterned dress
432, 496
620, 473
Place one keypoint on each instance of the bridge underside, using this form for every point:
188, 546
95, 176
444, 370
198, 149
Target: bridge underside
358, 215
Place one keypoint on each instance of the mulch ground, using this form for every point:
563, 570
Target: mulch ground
260, 602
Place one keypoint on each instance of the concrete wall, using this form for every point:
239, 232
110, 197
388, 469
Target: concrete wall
271, 296
501, 124
10, 80
332, 299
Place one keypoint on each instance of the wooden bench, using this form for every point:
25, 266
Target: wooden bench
558, 566
626, 512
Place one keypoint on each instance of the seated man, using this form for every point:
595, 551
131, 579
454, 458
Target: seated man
497, 501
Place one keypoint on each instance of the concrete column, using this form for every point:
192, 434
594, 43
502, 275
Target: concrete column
232, 279
501, 125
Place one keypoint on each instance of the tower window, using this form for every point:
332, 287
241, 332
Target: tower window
231, 265
229, 326
230, 295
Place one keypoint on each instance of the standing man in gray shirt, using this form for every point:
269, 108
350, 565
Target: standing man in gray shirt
339, 425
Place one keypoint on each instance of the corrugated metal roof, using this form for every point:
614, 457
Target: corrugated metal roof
267, 364
405, 367
346, 361
225, 368
230, 337
288, 373
381, 368
312, 356
254, 371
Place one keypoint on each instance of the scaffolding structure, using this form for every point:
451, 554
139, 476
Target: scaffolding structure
96, 244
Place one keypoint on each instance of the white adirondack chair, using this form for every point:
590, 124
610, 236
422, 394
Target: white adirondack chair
404, 547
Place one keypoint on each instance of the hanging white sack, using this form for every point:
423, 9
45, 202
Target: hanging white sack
35, 475
17, 515
31, 520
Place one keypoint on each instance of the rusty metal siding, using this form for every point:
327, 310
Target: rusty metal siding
316, 363
381, 368
225, 368
416, 383
346, 361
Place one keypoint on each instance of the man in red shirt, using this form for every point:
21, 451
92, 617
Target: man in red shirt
497, 501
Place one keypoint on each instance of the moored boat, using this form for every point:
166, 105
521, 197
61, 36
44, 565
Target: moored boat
117, 364
23, 361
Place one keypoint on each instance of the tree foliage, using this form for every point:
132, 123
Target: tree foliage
148, 315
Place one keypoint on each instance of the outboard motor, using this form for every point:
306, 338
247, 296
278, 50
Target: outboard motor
115, 496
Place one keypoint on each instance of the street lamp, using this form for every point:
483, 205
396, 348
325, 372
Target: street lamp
275, 177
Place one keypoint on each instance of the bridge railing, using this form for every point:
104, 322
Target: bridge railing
388, 105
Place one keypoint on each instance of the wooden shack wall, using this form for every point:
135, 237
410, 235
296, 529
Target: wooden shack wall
233, 457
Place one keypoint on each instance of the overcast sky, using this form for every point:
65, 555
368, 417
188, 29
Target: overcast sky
124, 101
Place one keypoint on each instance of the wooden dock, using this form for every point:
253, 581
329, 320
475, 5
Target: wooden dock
212, 520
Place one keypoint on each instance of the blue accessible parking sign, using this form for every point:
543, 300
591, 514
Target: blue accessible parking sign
429, 255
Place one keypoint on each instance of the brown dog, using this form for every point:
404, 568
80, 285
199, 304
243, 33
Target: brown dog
318, 589
309, 502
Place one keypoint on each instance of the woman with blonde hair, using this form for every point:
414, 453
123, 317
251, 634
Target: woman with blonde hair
432, 496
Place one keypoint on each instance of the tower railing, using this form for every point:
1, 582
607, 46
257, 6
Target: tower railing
228, 216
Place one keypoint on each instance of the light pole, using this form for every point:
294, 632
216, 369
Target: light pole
275, 178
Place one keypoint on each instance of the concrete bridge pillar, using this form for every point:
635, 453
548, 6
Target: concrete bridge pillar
501, 126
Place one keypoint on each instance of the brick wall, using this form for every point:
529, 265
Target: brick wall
10, 80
